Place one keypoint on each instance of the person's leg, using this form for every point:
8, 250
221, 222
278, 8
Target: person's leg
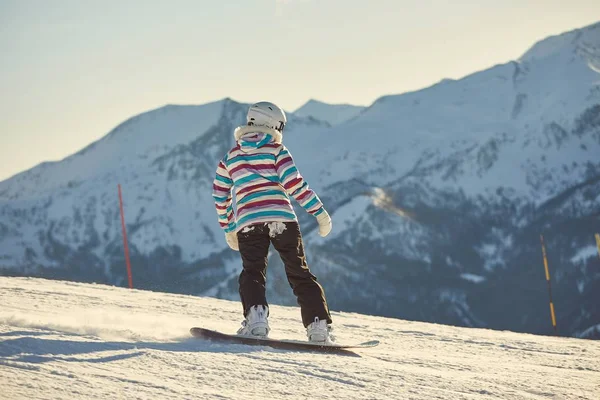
310, 294
254, 246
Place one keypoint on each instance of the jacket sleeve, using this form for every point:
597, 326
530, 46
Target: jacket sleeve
223, 200
295, 185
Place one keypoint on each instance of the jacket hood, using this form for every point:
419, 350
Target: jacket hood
252, 137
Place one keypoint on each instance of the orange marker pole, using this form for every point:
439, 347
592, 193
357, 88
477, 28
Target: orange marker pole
598, 243
549, 285
125, 240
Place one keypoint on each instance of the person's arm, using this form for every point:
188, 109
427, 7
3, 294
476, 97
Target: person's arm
223, 200
295, 185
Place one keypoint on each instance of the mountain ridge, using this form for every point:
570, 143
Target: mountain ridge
334, 114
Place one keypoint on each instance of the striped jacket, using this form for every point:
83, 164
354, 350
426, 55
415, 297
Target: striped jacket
261, 173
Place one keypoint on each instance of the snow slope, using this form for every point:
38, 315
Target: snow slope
63, 340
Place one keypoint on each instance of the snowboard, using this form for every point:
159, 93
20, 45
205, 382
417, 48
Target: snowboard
285, 344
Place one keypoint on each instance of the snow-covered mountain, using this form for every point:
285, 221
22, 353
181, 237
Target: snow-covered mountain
438, 199
62, 340
334, 114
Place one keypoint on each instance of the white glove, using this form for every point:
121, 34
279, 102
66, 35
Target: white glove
232, 240
324, 221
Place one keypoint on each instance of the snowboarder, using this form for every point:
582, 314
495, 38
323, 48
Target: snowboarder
261, 172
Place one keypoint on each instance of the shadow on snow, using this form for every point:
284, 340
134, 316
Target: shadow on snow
33, 347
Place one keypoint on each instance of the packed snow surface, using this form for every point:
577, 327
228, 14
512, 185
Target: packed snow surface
64, 340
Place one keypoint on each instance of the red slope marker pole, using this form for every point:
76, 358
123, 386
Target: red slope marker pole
125, 239
549, 286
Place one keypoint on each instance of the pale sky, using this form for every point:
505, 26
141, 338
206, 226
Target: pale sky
71, 70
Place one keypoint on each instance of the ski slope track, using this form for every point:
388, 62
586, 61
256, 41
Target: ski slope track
438, 199
62, 340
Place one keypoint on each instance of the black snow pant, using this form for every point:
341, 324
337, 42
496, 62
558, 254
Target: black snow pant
254, 242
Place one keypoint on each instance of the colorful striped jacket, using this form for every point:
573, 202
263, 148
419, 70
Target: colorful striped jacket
262, 174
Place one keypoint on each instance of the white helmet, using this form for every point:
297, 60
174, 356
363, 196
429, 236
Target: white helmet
266, 114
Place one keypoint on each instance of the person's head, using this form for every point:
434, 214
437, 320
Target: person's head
266, 114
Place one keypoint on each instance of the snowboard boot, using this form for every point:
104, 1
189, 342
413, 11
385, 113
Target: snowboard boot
320, 331
256, 322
